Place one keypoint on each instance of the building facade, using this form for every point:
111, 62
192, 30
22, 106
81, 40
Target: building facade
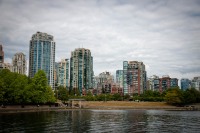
63, 73
185, 84
153, 83
1, 54
119, 78
42, 56
81, 69
19, 63
105, 81
196, 83
166, 82
6, 66
56, 74
134, 77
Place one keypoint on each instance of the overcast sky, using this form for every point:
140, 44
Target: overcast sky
163, 34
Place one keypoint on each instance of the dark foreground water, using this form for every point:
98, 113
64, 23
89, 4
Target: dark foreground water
124, 121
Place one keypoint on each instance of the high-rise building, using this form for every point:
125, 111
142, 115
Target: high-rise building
105, 81
173, 82
42, 56
1, 54
153, 83
166, 82
56, 74
81, 69
134, 77
19, 63
196, 83
185, 84
63, 73
119, 78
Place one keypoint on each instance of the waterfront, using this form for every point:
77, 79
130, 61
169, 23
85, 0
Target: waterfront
102, 121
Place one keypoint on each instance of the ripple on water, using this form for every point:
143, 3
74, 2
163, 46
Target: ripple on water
151, 121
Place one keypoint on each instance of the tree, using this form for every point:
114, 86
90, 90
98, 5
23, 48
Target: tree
116, 97
174, 96
2, 90
126, 97
18, 88
191, 96
40, 80
89, 93
50, 95
63, 94
7, 78
41, 92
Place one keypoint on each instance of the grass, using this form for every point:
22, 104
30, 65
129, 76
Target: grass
126, 104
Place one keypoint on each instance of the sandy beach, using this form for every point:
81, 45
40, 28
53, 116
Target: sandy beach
127, 105
100, 105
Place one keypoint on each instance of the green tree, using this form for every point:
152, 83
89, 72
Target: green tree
63, 94
2, 90
100, 97
7, 78
18, 88
41, 92
191, 96
50, 95
126, 97
116, 97
89, 93
174, 96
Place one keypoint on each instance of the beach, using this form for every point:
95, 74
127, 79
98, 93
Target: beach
100, 105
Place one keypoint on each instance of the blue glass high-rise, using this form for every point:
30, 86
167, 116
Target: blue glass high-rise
42, 56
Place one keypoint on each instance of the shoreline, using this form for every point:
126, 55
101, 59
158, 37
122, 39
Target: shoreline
95, 105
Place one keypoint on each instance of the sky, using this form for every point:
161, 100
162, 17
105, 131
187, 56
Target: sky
163, 34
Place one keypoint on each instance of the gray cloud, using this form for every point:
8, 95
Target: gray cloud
162, 34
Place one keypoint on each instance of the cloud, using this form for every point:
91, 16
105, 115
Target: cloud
162, 34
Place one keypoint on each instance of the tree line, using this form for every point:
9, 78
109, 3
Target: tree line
174, 96
20, 89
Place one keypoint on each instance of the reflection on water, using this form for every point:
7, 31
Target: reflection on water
124, 121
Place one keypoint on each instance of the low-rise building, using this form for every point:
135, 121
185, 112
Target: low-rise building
6, 66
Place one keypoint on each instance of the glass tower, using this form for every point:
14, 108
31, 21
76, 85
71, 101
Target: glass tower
119, 77
81, 69
185, 84
42, 56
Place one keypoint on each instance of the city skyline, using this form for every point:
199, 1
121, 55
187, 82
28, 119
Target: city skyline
164, 35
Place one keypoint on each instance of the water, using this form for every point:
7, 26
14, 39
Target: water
117, 121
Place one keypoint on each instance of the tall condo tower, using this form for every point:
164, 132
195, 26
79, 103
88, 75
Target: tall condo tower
42, 56
1, 54
134, 77
19, 63
119, 77
63, 73
81, 69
